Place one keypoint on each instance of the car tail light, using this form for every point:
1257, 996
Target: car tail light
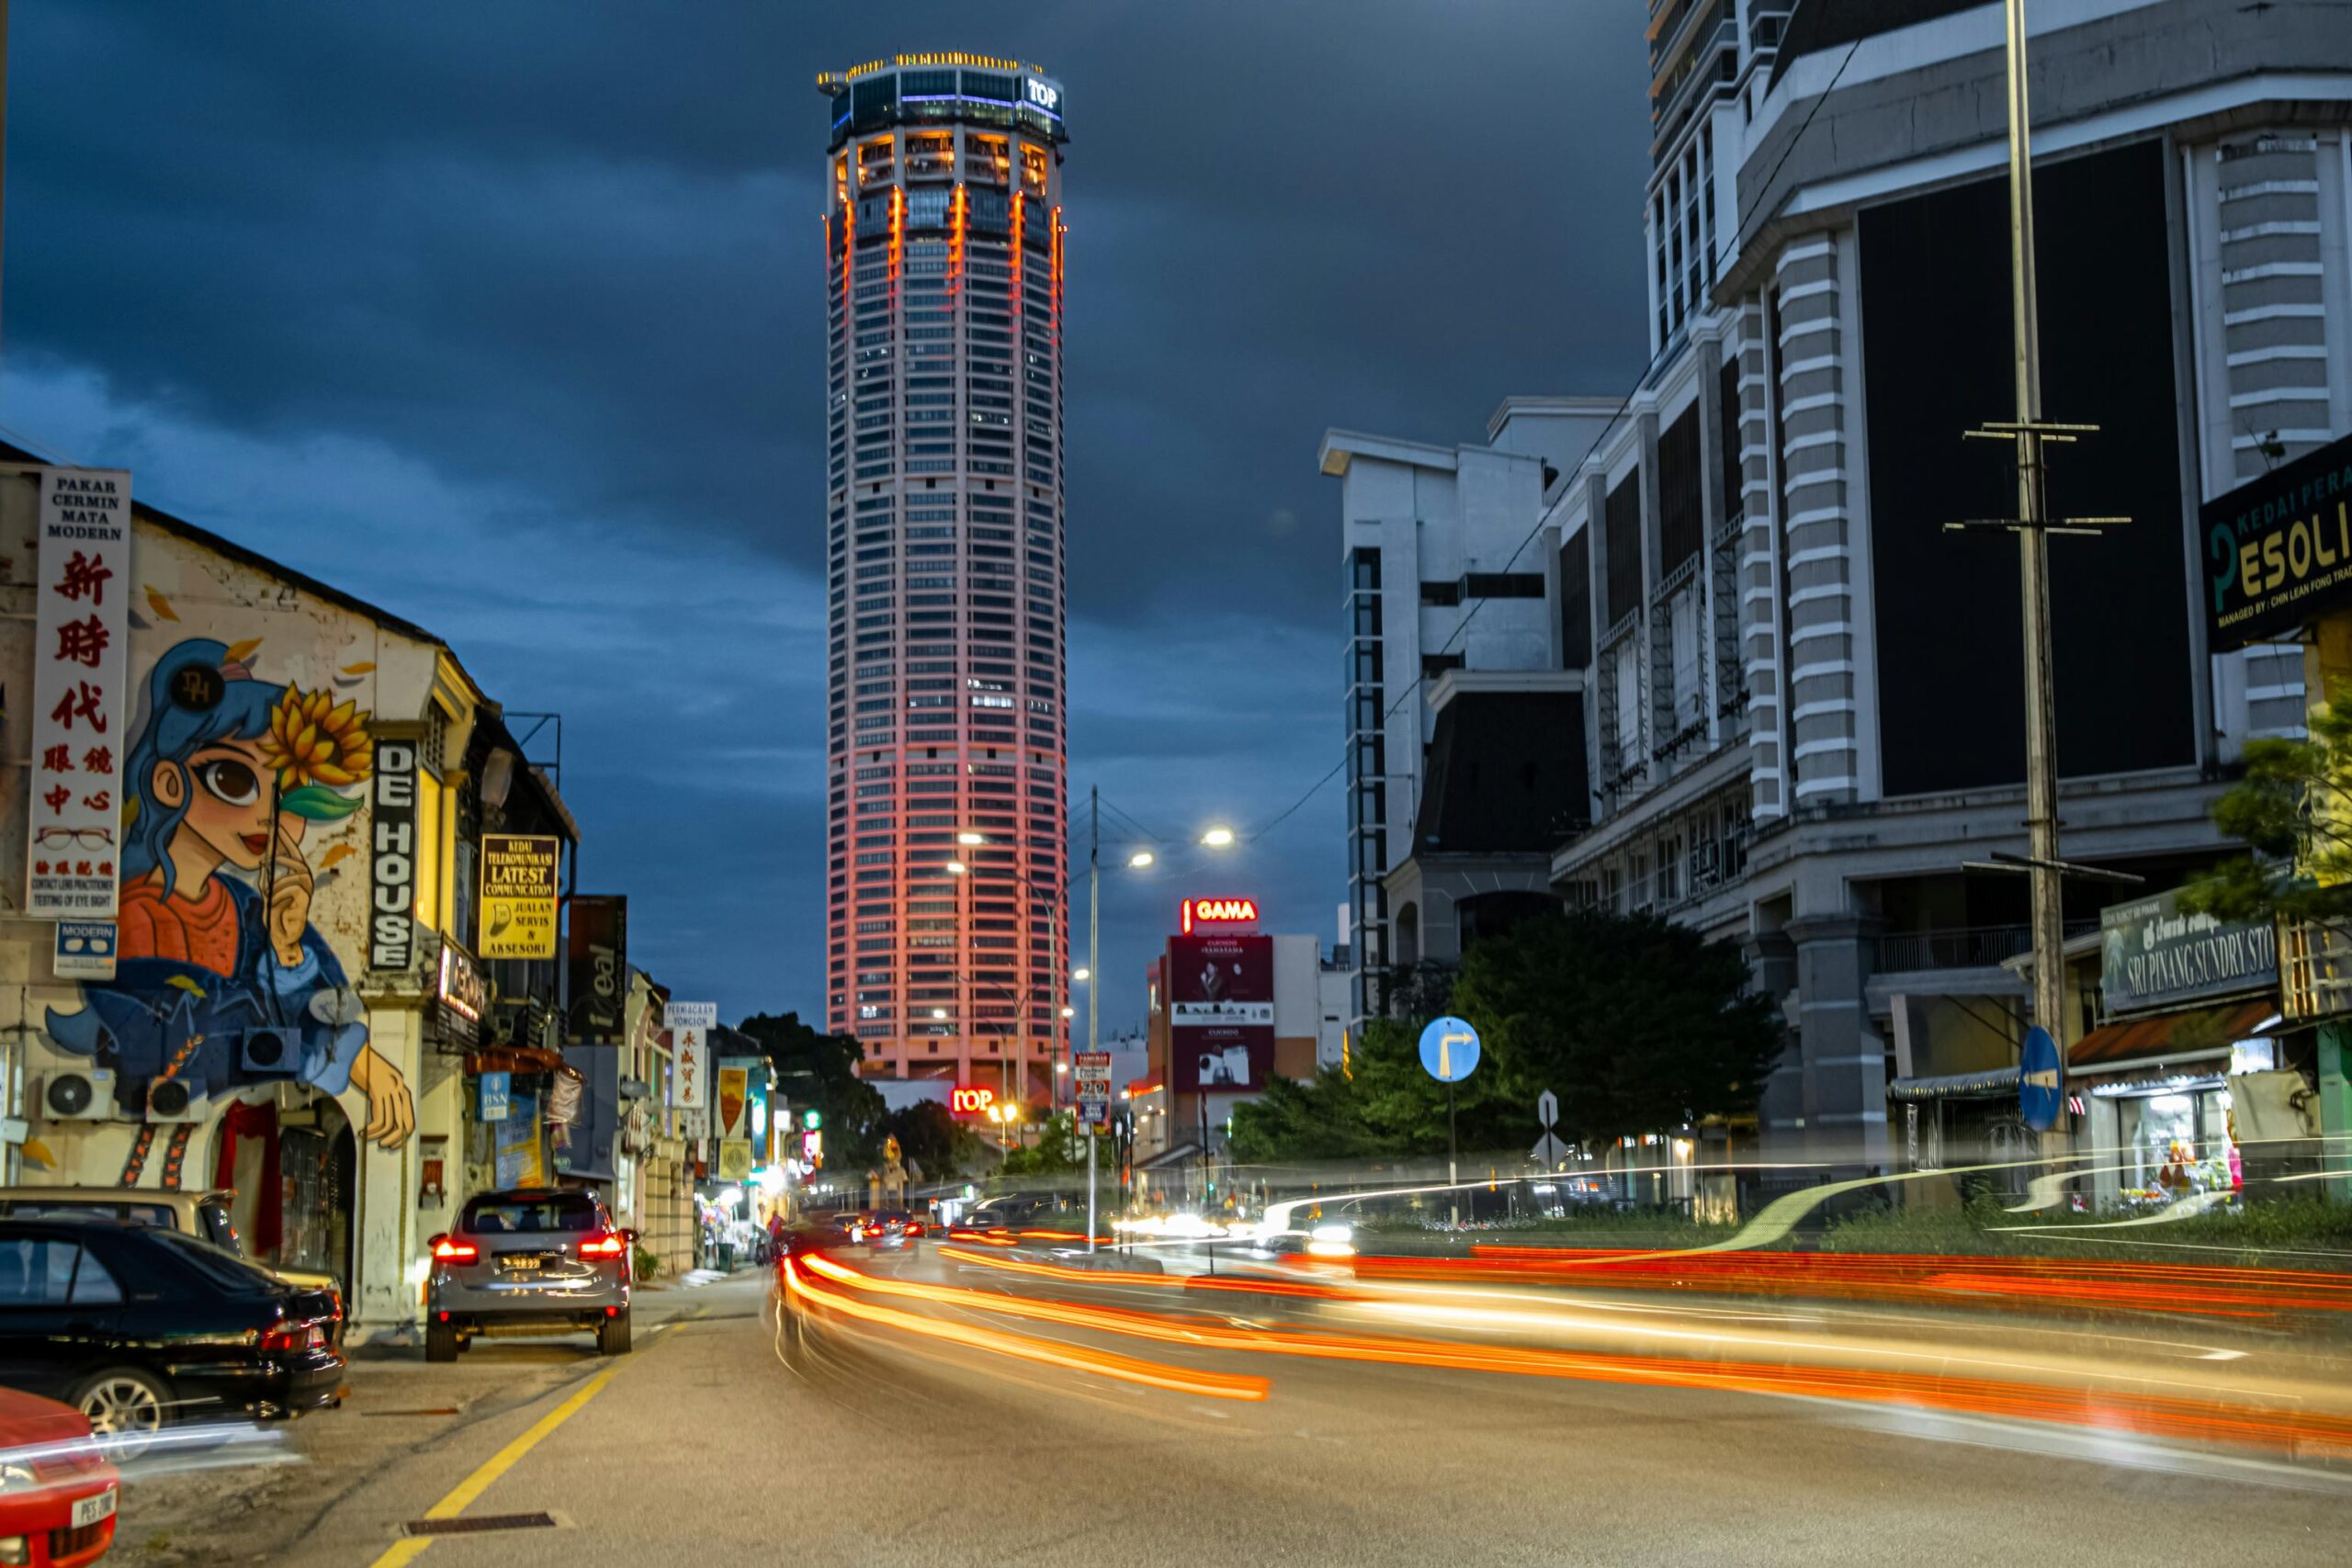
609, 1244
450, 1251
307, 1335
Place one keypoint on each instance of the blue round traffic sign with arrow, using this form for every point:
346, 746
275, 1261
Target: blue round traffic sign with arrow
1449, 1049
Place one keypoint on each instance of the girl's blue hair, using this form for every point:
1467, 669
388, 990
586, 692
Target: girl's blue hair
170, 733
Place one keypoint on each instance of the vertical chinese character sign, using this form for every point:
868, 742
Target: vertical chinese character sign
81, 628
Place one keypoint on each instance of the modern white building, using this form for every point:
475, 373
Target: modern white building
947, 732
1444, 575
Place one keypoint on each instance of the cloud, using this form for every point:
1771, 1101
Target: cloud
508, 318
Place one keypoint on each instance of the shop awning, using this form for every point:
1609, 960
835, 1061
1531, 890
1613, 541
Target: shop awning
1182, 1154
2201, 1034
1988, 1084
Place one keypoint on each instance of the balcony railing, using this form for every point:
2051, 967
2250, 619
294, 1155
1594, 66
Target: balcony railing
1960, 947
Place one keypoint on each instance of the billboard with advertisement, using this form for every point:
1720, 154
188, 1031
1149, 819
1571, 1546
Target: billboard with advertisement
596, 949
2279, 549
1220, 1013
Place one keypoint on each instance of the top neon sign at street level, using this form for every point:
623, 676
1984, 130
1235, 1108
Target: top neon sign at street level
1217, 912
970, 1101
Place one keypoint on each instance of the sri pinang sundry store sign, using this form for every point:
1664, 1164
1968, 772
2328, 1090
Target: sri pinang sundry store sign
2279, 549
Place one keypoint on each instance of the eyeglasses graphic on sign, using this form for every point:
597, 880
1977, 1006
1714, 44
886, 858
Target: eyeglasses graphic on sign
80, 838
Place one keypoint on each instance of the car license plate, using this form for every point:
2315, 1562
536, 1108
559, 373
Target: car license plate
90, 1510
521, 1263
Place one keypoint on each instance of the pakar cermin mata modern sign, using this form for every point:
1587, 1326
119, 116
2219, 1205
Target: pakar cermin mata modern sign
2279, 549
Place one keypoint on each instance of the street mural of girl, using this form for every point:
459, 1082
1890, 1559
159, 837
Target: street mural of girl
220, 980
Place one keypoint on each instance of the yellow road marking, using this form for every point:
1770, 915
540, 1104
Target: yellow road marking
463, 1494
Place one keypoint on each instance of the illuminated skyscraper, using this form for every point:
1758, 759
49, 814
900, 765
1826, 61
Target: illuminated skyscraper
946, 817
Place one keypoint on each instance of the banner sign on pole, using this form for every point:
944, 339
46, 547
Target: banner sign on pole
1091, 1072
518, 894
690, 1025
81, 630
597, 947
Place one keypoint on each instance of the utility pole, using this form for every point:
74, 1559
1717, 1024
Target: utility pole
2032, 524
1093, 976
2043, 888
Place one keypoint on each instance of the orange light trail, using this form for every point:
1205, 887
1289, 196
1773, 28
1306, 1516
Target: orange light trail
1241, 1284
1127, 1368
2151, 1414
2187, 1288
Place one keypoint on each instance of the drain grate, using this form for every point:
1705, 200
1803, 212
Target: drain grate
479, 1524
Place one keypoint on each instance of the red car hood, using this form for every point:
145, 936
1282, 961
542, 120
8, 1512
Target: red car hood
27, 1419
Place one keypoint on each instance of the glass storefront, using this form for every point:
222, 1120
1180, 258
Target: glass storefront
2176, 1142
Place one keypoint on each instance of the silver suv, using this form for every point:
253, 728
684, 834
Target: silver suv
529, 1262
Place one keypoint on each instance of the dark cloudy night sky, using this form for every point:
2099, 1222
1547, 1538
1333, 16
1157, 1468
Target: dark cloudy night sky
508, 318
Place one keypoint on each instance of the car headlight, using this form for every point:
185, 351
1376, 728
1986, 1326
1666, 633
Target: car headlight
14, 1550
17, 1478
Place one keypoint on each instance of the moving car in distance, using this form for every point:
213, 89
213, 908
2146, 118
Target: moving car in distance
532, 1261
884, 1225
204, 1215
58, 1492
136, 1326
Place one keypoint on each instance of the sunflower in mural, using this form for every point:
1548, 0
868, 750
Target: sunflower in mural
320, 748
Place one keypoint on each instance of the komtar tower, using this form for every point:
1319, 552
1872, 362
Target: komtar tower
948, 720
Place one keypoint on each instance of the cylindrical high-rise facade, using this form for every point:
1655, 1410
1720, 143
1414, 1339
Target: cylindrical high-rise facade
946, 817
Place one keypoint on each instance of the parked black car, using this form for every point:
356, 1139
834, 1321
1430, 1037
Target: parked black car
137, 1326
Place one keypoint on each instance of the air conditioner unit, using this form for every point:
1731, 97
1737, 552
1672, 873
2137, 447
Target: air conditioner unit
83, 1094
174, 1099
267, 1050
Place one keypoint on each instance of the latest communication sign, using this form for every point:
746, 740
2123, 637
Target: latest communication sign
518, 894
81, 628
1220, 1012
2279, 549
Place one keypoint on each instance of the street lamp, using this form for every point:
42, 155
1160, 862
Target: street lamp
1140, 858
969, 837
940, 1013
1081, 975
1218, 837
957, 868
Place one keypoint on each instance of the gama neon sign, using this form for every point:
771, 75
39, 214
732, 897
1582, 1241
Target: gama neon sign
1217, 912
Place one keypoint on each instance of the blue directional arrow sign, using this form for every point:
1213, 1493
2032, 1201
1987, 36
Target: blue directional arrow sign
2040, 1080
1449, 1049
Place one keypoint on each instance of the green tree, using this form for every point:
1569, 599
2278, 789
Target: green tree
1061, 1149
932, 1141
1636, 1023
2293, 808
820, 1070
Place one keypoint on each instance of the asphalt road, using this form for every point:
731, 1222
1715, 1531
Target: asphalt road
718, 1440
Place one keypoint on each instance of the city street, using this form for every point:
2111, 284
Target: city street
711, 1440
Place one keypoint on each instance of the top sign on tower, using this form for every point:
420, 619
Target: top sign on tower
1217, 912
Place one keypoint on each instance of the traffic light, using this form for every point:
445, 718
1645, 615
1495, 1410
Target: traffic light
812, 1119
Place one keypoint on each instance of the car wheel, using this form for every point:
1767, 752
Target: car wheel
612, 1335
124, 1403
440, 1342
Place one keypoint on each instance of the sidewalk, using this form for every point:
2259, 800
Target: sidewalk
249, 1497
